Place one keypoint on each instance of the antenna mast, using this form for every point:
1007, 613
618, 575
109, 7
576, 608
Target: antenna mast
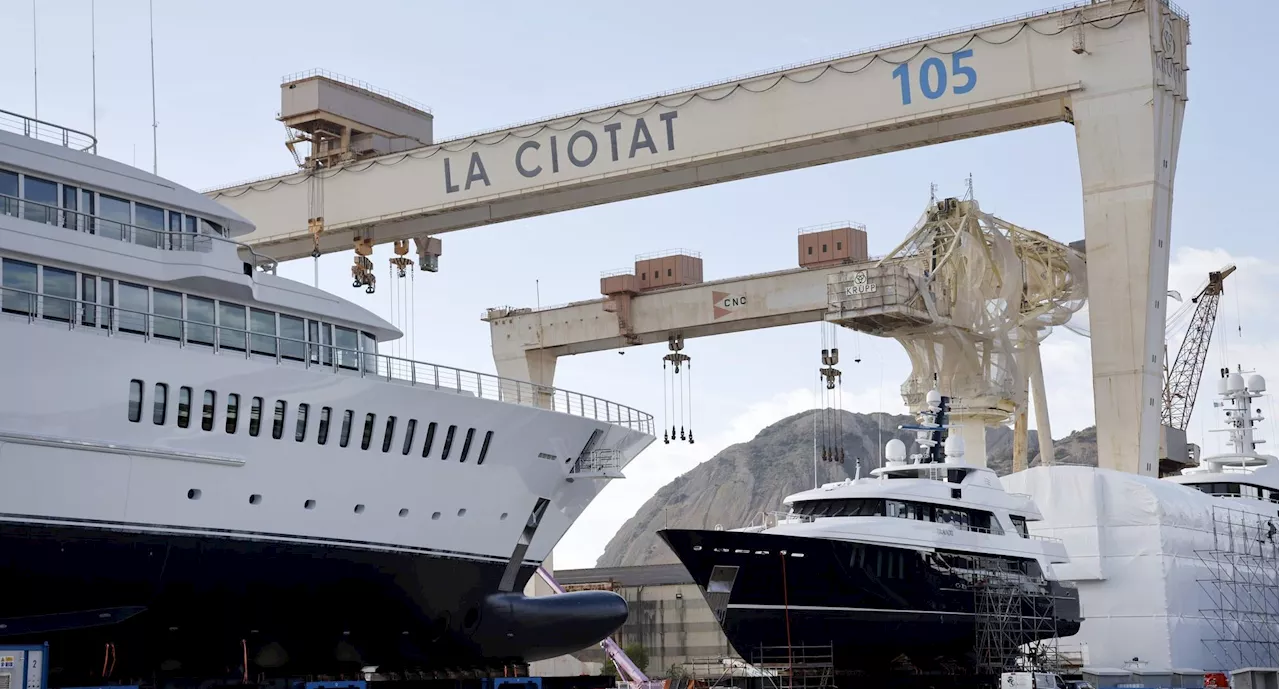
35, 68
93, 57
155, 126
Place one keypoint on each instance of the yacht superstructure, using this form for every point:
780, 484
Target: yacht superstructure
207, 466
1243, 473
883, 568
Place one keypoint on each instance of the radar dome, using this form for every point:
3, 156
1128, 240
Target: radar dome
933, 398
895, 451
1257, 383
1235, 382
954, 448
1222, 386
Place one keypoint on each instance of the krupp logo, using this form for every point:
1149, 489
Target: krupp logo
1168, 40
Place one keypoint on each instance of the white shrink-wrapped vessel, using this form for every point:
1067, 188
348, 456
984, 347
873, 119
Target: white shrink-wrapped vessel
1177, 573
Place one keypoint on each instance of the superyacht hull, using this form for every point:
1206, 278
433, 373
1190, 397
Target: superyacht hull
876, 606
120, 604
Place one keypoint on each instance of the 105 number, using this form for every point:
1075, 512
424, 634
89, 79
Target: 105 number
933, 76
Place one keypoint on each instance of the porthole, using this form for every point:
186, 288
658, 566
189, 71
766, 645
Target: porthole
359, 509
404, 512
310, 504
435, 515
255, 499
462, 512
502, 517
194, 494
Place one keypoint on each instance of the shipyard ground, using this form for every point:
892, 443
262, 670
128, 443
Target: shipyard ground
435, 682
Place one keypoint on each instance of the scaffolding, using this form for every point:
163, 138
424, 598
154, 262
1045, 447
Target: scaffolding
1241, 588
796, 667
1015, 620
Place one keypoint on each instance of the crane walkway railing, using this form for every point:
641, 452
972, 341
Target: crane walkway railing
76, 314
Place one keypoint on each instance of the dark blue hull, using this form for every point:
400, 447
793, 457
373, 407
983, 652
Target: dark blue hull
875, 607
133, 605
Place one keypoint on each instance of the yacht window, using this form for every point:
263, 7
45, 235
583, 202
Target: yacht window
115, 217
175, 240
19, 295
86, 209
233, 412
58, 283
346, 343
200, 310
322, 434
150, 225
184, 407
1020, 525
409, 430
231, 326
277, 421
466, 444
369, 346
167, 321
8, 192
210, 227
293, 332
89, 295
347, 417
41, 191
431, 436
70, 198
368, 431
319, 339
107, 297
160, 404
132, 300
255, 416
390, 434
206, 419
300, 433
893, 508
484, 447
263, 325
190, 225
135, 400
448, 442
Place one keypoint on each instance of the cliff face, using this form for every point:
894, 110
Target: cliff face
743, 480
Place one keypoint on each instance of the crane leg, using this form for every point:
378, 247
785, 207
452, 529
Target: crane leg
1043, 432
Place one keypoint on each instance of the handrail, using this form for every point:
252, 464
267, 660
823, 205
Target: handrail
360, 84
64, 136
116, 320
165, 240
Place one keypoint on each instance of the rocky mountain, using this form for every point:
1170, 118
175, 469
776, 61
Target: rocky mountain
742, 481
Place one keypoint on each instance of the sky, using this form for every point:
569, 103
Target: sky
479, 65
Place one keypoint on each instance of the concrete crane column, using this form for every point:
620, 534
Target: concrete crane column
1128, 145
973, 430
537, 366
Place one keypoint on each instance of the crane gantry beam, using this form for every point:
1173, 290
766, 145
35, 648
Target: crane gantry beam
1115, 70
973, 335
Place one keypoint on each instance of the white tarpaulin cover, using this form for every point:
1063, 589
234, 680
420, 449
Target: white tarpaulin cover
1146, 562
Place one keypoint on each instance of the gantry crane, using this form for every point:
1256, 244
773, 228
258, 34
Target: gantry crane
1182, 381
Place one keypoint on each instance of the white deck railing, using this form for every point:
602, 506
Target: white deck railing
217, 339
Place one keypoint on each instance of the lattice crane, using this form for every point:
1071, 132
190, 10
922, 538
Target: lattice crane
1182, 381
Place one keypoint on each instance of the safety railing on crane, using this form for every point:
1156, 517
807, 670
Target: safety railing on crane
75, 314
